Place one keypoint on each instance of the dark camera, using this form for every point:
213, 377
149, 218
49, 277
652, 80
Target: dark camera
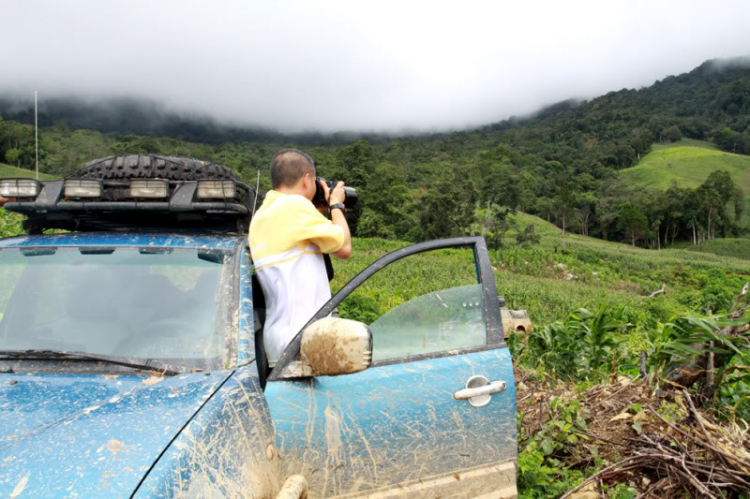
350, 193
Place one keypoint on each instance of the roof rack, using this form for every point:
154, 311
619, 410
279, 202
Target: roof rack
223, 205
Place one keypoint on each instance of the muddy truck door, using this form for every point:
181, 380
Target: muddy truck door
434, 414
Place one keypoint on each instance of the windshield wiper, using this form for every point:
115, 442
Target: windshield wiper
45, 354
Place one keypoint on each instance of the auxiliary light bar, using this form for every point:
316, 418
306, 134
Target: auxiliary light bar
19, 187
149, 188
75, 188
216, 189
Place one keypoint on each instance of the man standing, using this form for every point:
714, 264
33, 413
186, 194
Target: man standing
288, 237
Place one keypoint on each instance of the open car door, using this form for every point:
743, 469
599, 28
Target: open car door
435, 414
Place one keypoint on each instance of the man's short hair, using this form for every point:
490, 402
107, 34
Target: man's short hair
288, 166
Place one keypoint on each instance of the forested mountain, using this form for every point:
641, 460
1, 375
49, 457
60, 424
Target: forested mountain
562, 164
130, 116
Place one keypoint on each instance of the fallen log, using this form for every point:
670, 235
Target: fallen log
661, 291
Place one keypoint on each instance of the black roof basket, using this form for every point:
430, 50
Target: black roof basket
187, 205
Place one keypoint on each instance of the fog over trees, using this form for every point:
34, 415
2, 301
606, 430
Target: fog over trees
338, 66
562, 163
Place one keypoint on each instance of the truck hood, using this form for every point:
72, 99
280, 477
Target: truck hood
91, 435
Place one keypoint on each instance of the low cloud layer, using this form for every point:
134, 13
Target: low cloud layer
384, 66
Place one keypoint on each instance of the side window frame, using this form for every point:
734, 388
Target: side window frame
485, 276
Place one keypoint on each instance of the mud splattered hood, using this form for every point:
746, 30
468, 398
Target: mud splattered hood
90, 435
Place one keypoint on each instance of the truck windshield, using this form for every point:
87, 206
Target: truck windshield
139, 303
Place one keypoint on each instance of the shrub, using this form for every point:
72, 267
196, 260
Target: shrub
580, 347
540, 470
10, 223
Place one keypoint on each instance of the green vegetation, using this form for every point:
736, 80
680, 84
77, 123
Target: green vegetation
736, 248
12, 171
684, 143
587, 301
593, 317
10, 223
540, 474
551, 282
580, 347
688, 167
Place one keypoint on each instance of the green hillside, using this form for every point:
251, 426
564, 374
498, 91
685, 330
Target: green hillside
551, 281
737, 248
684, 143
12, 171
728, 253
688, 163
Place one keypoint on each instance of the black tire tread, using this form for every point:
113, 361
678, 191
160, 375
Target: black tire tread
154, 166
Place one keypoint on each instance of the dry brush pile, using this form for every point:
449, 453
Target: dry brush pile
596, 423
652, 445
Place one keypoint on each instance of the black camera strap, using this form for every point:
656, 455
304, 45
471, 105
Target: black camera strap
329, 266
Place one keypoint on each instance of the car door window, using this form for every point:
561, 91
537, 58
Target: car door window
443, 320
423, 304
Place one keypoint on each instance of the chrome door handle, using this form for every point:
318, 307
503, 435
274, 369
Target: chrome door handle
479, 390
488, 389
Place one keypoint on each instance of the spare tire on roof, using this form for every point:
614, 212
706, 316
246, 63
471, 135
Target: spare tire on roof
116, 208
153, 166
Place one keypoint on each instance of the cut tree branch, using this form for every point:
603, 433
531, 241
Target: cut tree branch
662, 291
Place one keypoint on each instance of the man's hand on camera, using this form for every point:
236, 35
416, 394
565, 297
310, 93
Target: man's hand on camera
337, 195
323, 208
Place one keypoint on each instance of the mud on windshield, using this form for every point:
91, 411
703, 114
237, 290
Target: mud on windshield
164, 304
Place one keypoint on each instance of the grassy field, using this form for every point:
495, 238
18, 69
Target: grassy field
713, 253
684, 143
689, 163
689, 166
551, 281
737, 248
11, 171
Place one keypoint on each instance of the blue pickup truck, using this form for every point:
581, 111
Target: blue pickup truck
132, 361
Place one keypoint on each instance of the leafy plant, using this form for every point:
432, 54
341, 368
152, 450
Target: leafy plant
528, 236
599, 333
685, 338
540, 473
565, 428
539, 478
10, 223
620, 491
734, 385
581, 346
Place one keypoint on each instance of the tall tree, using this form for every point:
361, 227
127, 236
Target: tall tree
632, 221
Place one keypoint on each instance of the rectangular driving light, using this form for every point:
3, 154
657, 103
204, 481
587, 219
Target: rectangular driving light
149, 188
19, 188
75, 188
216, 189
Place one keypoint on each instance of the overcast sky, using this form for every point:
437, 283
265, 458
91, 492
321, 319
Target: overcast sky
359, 65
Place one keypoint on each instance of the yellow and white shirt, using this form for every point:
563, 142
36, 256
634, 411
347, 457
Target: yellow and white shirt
288, 237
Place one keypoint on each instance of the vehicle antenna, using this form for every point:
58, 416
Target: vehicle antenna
36, 139
257, 186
